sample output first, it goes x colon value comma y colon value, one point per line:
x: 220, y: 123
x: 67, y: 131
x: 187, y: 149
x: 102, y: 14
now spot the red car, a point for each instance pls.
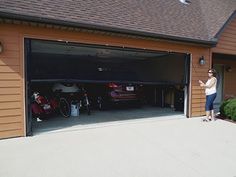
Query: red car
x: 121, y: 92
x: 116, y: 93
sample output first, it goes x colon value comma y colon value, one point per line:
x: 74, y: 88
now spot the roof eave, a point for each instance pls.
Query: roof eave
x: 230, y: 19
x: 13, y: 16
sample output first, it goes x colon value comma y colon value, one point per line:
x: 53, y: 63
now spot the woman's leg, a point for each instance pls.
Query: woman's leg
x: 211, y: 112
x: 208, y: 115
x: 212, y: 108
x: 207, y: 107
x: 212, y: 115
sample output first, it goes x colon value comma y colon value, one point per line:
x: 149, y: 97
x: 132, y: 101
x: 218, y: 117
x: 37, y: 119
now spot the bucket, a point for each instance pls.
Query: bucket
x: 74, y: 109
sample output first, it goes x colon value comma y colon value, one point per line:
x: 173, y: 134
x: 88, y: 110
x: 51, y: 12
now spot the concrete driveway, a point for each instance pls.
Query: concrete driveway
x: 134, y: 148
x: 98, y: 118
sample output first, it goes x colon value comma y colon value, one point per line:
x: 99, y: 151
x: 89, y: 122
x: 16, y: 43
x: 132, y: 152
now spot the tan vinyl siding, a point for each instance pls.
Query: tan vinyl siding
x: 229, y: 77
x: 11, y: 90
x: 227, y: 45
x: 198, y: 93
x: 227, y: 40
x: 11, y: 132
x: 10, y: 119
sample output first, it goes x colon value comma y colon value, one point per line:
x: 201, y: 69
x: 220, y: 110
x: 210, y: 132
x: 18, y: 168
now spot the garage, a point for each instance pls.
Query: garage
x: 130, y: 45
x: 113, y: 80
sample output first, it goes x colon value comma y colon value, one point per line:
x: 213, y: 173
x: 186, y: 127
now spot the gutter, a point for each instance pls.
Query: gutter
x: 13, y: 16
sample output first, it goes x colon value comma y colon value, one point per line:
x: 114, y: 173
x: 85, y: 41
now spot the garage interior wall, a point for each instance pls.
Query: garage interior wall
x: 12, y: 89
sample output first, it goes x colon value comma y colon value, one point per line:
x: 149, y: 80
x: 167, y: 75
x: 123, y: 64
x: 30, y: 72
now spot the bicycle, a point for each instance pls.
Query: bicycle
x: 66, y: 99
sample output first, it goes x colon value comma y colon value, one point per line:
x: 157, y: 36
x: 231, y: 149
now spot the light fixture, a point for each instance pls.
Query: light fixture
x: 1, y: 47
x: 202, y: 60
x: 228, y: 69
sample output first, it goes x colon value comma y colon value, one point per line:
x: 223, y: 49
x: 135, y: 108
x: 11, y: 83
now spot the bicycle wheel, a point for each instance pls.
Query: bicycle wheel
x: 64, y: 107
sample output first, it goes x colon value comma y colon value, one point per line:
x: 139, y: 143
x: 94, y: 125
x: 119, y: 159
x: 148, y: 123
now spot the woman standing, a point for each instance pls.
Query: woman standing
x: 210, y: 90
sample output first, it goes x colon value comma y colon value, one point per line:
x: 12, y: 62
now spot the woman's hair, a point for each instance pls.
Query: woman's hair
x: 213, y: 72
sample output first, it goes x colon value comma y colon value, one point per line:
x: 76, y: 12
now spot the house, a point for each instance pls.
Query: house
x: 35, y: 35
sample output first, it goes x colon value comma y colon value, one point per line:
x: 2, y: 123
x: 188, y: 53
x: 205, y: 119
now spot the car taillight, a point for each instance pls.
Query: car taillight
x: 112, y: 85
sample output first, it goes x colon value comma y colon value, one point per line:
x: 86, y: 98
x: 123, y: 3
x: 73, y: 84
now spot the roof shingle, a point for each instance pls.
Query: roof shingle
x: 200, y: 20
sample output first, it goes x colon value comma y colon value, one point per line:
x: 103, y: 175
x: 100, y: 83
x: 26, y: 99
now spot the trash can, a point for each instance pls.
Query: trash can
x: 74, y: 109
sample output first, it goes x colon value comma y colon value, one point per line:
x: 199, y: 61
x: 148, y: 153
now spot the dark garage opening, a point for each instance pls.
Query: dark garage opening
x: 158, y: 78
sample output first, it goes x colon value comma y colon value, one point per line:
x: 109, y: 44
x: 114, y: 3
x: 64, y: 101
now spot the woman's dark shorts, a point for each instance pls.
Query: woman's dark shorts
x: 209, y: 101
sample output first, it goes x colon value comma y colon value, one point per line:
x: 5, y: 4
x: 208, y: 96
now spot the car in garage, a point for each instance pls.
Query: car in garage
x: 106, y: 95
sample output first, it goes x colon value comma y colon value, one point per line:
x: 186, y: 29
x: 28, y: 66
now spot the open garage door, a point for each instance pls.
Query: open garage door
x: 57, y: 61
x: 159, y: 73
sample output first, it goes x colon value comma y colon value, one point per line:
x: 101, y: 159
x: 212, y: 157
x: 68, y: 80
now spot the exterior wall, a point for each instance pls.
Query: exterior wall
x: 227, y: 40
x: 229, y: 77
x: 11, y: 85
x: 12, y: 91
x: 227, y: 45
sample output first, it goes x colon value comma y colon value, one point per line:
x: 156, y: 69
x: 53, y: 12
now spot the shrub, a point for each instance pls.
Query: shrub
x: 234, y: 114
x: 222, y: 107
x: 233, y: 109
x: 228, y: 109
